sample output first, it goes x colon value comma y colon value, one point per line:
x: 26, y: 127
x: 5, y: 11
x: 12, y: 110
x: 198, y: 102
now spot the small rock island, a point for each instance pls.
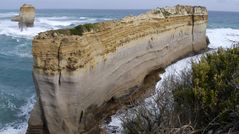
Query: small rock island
x: 85, y: 74
x: 26, y: 16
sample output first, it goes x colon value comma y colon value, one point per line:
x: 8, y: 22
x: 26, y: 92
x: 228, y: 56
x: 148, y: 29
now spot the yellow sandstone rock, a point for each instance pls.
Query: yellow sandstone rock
x: 26, y: 16
x: 85, y: 74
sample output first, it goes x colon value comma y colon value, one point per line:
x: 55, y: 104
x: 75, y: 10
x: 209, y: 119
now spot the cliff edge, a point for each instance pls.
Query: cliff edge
x: 84, y: 74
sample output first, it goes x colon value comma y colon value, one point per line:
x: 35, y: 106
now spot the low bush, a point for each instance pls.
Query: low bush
x: 80, y: 29
x: 203, y: 99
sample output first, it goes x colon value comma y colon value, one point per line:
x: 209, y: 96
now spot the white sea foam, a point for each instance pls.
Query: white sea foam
x: 8, y: 14
x: 20, y: 128
x: 58, y: 18
x: 27, y: 108
x: 21, y: 50
x: 9, y: 28
x: 55, y: 22
x: 223, y: 37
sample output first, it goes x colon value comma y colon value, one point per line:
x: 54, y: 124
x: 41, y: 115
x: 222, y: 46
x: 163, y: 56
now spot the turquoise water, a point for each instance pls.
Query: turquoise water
x: 17, y: 93
x: 223, y: 20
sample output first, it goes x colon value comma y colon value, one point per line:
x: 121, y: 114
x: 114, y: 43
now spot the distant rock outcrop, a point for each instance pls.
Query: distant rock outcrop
x: 84, y: 74
x: 26, y: 16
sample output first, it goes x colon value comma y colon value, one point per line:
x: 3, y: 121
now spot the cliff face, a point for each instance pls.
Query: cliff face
x: 85, y: 74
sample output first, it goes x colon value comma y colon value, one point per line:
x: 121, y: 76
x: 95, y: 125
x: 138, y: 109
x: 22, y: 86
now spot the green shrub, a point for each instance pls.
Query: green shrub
x: 80, y: 29
x: 204, y: 99
x: 214, y: 93
x: 163, y: 11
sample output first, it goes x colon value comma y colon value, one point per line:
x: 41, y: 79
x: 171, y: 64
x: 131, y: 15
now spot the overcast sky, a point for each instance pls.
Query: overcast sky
x: 219, y: 5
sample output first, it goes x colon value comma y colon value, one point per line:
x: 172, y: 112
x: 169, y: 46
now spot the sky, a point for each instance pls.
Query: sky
x: 217, y: 5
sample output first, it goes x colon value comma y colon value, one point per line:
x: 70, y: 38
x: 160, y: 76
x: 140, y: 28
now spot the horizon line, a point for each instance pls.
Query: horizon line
x: 104, y: 9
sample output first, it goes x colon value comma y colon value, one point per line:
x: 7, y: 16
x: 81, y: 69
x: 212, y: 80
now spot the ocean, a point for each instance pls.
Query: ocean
x: 17, y: 93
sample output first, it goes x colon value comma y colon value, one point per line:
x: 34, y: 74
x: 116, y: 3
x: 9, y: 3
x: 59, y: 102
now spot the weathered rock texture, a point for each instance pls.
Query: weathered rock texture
x: 26, y: 16
x: 83, y: 76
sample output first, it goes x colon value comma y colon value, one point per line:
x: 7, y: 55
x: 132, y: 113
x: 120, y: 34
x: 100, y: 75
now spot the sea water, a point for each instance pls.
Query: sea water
x: 17, y: 93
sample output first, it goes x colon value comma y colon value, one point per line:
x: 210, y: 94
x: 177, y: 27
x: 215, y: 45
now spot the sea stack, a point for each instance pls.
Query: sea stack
x: 85, y: 74
x: 26, y: 16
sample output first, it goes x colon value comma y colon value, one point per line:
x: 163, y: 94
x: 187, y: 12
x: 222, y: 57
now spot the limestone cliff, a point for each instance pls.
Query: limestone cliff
x: 26, y: 16
x: 87, y: 73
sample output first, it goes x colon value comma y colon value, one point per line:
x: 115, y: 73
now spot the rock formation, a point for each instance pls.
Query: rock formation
x: 26, y: 16
x: 84, y: 74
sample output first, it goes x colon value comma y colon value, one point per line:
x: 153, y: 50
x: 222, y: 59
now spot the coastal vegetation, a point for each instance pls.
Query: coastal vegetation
x: 80, y: 29
x: 163, y: 11
x: 202, y: 99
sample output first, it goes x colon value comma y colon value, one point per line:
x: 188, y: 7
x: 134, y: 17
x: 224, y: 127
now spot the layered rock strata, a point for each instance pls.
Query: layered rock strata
x: 26, y: 16
x: 84, y: 74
